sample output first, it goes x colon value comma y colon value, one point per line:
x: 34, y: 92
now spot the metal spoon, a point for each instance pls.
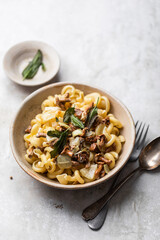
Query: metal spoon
x: 149, y: 159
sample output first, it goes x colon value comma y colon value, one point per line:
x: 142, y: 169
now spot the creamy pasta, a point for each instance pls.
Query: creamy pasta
x: 75, y: 139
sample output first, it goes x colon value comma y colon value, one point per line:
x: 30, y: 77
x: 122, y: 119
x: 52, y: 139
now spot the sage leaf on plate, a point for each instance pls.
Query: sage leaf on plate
x: 32, y: 68
x: 43, y: 67
x: 68, y: 113
x: 54, y: 133
x: 59, y: 145
x: 76, y: 122
x: 92, y: 115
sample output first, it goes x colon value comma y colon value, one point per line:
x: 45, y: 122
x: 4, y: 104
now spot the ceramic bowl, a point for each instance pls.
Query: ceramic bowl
x: 18, y: 57
x: 31, y: 106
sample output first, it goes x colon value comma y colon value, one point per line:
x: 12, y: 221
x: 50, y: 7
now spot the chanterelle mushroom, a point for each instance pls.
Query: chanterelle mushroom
x: 41, y: 135
x: 99, y: 157
x: 28, y: 130
x: 61, y: 101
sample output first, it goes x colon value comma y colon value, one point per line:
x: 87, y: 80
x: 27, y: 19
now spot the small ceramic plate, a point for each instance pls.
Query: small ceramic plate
x: 18, y: 57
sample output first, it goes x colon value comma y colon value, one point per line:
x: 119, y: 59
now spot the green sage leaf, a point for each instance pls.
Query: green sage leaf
x: 92, y: 115
x: 43, y: 67
x: 54, y: 133
x: 67, y: 115
x: 76, y: 122
x: 59, y: 145
x: 30, y: 71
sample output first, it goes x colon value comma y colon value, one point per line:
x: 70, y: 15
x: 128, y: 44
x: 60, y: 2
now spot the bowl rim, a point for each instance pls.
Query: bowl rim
x: 54, y: 184
x: 33, y: 84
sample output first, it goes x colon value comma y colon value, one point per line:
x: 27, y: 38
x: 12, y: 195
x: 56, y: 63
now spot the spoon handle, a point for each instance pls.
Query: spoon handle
x: 97, y: 222
x: 91, y: 211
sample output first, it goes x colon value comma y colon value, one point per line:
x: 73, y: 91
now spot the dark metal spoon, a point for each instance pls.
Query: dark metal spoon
x: 149, y: 159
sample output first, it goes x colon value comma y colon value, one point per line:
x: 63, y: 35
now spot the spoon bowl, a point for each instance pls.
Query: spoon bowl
x: 149, y: 158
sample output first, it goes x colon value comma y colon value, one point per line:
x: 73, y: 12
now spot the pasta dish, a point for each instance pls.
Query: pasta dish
x: 75, y: 139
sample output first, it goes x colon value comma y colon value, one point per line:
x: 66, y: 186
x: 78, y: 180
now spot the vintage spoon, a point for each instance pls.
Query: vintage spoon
x: 149, y: 159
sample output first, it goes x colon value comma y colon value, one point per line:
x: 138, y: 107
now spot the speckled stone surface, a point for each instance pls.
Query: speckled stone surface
x: 113, y: 44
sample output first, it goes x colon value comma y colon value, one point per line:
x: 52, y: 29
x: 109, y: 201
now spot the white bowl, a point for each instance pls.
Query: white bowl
x: 31, y: 106
x: 18, y: 57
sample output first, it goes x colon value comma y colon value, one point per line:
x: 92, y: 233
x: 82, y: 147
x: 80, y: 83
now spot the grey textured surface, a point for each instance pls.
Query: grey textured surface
x: 113, y: 44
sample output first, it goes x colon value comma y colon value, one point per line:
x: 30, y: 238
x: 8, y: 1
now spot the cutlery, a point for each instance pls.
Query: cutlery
x: 149, y: 159
x: 141, y: 133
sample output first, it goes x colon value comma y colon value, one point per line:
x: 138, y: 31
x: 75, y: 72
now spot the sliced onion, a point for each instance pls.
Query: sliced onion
x: 89, y: 173
x: 90, y: 133
x: 63, y: 125
x: 64, y: 161
x: 74, y: 142
x: 83, y: 150
x: 50, y: 139
x: 77, y: 132
x: 106, y: 168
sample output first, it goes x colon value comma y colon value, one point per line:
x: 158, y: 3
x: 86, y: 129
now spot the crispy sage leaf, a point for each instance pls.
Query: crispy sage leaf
x: 59, y: 145
x: 43, y: 67
x: 68, y: 113
x: 54, y: 133
x: 90, y: 123
x: 76, y: 122
x: 30, y: 71
x: 92, y: 115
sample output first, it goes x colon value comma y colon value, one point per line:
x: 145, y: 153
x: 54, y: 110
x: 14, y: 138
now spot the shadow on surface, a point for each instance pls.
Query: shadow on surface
x: 27, y: 89
x: 74, y: 201
x: 23, y: 91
